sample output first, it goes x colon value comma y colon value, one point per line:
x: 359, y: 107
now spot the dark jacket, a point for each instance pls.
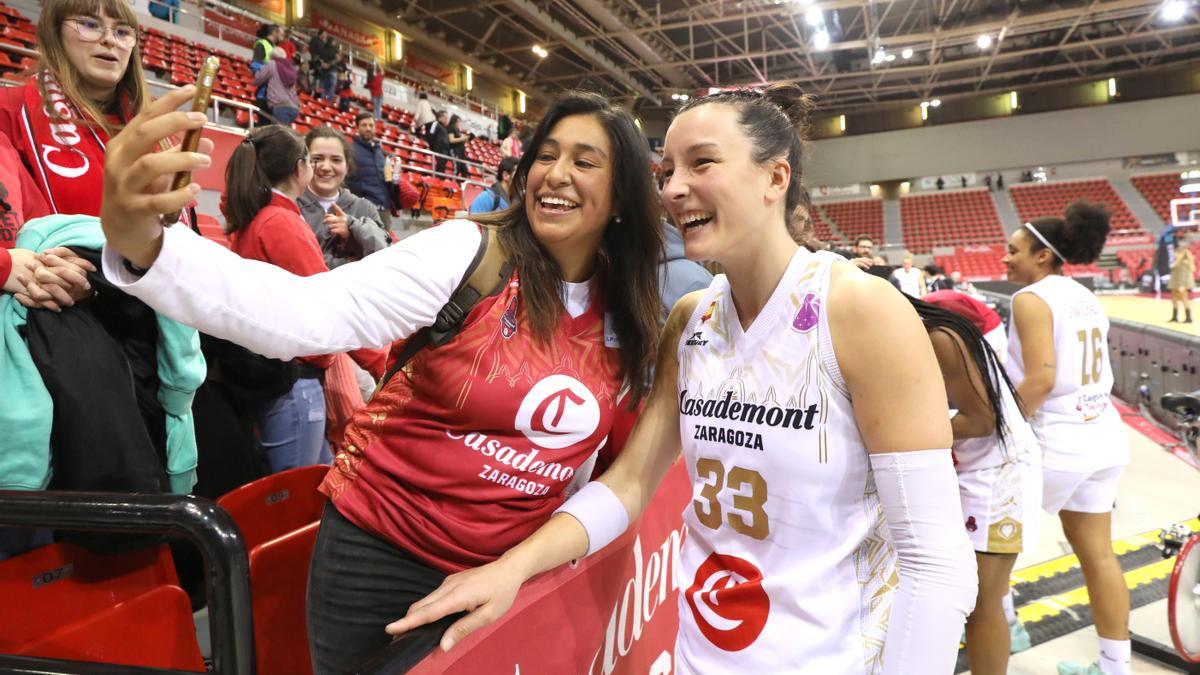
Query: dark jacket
x: 324, y: 54
x: 367, y: 179
x: 438, y: 138
x: 367, y: 234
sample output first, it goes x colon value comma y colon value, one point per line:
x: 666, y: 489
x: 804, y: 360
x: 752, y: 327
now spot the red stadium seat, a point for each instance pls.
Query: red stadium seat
x: 277, y: 504
x: 278, y: 584
x: 85, y: 606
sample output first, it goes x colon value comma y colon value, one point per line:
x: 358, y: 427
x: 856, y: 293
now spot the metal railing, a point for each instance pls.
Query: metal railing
x: 198, y: 520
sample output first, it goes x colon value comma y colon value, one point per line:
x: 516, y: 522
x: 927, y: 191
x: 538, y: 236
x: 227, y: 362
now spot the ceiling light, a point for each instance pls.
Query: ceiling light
x: 935, y: 102
x: 1112, y: 87
x: 1012, y: 100
x: 907, y: 53
x: 814, y: 17
x: 880, y: 55
x: 1174, y: 10
x: 984, y: 41
x: 821, y: 40
x: 842, y: 122
x: 889, y: 58
x: 540, y: 51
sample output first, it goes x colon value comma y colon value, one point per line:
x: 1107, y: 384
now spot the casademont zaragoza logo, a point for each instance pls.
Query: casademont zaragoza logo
x: 558, y: 412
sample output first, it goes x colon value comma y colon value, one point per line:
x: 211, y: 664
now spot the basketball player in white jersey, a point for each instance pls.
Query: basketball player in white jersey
x: 811, y: 472
x: 1058, y: 358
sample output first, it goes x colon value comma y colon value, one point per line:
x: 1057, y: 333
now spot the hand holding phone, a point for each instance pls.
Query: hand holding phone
x: 191, y: 140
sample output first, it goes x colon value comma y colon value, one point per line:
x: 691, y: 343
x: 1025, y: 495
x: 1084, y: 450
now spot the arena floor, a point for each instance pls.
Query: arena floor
x: 1149, y: 310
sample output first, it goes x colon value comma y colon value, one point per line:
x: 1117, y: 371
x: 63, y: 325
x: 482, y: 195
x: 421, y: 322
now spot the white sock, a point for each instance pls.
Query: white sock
x: 1009, y: 613
x: 1115, y: 657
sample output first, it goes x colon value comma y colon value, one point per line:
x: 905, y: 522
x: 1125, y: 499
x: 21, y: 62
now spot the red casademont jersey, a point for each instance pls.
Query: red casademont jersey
x: 469, y: 453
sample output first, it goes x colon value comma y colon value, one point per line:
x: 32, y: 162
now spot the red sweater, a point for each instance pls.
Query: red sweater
x: 375, y: 84
x: 279, y: 235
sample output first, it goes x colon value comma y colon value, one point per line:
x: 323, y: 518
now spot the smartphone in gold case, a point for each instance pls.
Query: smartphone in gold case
x: 191, y: 140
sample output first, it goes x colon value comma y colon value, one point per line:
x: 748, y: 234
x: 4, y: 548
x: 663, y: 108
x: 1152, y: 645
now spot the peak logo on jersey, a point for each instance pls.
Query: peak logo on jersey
x: 709, y: 313
x: 728, y: 602
x: 558, y: 412
x: 508, y: 321
x: 808, y: 315
x: 697, y: 339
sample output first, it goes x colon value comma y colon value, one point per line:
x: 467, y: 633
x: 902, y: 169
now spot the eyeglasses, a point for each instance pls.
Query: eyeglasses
x: 91, y: 30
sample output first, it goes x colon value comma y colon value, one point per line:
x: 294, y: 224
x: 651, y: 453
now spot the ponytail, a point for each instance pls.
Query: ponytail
x: 265, y: 159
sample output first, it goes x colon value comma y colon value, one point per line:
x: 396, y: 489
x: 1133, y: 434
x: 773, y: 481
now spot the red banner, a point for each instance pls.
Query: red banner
x: 371, y: 43
x: 621, y: 607
x: 431, y: 69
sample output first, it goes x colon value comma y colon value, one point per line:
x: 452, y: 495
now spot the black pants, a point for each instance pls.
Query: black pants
x: 357, y: 585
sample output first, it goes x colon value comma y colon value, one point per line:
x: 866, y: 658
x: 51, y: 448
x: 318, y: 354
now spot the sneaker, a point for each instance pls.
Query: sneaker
x: 1073, y: 668
x: 1018, y: 637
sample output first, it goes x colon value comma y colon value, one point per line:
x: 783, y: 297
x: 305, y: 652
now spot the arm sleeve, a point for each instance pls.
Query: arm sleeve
x: 269, y: 310
x: 369, y: 234
x: 938, y: 577
x: 482, y: 203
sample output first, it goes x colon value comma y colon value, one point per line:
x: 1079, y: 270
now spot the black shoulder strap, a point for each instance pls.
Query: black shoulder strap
x: 485, y: 277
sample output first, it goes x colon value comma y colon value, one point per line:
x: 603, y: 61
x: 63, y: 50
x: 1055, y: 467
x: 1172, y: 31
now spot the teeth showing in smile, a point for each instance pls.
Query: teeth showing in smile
x: 558, y: 203
x: 695, y: 219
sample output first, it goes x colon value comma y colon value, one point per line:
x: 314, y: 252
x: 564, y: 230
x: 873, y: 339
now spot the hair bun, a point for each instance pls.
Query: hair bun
x: 791, y: 99
x: 1085, y: 229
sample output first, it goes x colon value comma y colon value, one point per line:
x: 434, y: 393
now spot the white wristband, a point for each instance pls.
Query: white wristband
x: 601, y: 513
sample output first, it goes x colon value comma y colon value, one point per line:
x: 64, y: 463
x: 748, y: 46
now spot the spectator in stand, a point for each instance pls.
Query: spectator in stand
x: 399, y: 467
x: 375, y: 86
x: 458, y: 145
x: 999, y: 181
x: 324, y: 64
x: 424, y: 115
x: 279, y: 77
x: 910, y: 280
x: 304, y: 78
x: 288, y: 44
x: 937, y: 281
x: 511, y: 145
x: 266, y: 174
x: 496, y: 197
x: 1183, y: 275
x: 367, y: 177
x: 964, y: 181
x: 438, y: 137
x: 90, y: 68
x: 268, y: 35
x: 347, y: 226
x: 941, y: 183
x: 345, y: 84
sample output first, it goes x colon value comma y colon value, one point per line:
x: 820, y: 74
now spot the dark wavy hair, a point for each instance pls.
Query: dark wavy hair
x: 1079, y: 235
x: 776, y: 121
x: 630, y: 251
x: 263, y: 160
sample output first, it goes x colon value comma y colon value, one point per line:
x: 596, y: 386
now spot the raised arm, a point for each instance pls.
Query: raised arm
x: 267, y: 309
x: 899, y: 401
x: 488, y: 592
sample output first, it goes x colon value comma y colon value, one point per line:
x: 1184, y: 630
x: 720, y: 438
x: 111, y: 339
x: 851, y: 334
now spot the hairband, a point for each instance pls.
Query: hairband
x: 1047, y: 244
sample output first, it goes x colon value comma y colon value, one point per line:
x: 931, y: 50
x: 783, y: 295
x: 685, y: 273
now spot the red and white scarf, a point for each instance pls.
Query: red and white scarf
x: 65, y: 155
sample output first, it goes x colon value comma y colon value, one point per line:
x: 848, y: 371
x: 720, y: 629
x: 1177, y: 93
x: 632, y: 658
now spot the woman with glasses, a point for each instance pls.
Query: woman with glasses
x: 87, y: 84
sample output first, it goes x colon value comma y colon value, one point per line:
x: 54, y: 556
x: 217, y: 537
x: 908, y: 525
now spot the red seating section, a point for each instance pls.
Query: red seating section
x: 15, y: 31
x: 977, y: 263
x: 823, y: 229
x: 856, y: 218
x: 949, y: 219
x: 1051, y: 199
x: 82, y: 606
x: 279, y: 516
x: 1159, y: 190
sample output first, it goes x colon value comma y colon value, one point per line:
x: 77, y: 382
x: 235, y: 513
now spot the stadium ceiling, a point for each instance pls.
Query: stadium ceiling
x: 651, y: 50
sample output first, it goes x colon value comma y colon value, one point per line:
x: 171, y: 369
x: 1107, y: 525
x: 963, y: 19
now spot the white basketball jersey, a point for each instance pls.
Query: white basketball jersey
x: 786, y: 567
x: 1078, y: 426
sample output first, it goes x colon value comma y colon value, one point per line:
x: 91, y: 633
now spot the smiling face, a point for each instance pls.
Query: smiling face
x: 568, y: 193
x: 328, y: 157
x: 1022, y: 265
x: 713, y: 190
x: 99, y: 56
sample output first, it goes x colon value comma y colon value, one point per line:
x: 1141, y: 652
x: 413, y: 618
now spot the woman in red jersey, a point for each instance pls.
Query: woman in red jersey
x: 470, y: 449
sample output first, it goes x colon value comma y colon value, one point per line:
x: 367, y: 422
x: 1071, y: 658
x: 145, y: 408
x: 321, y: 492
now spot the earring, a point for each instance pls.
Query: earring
x: 617, y: 219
